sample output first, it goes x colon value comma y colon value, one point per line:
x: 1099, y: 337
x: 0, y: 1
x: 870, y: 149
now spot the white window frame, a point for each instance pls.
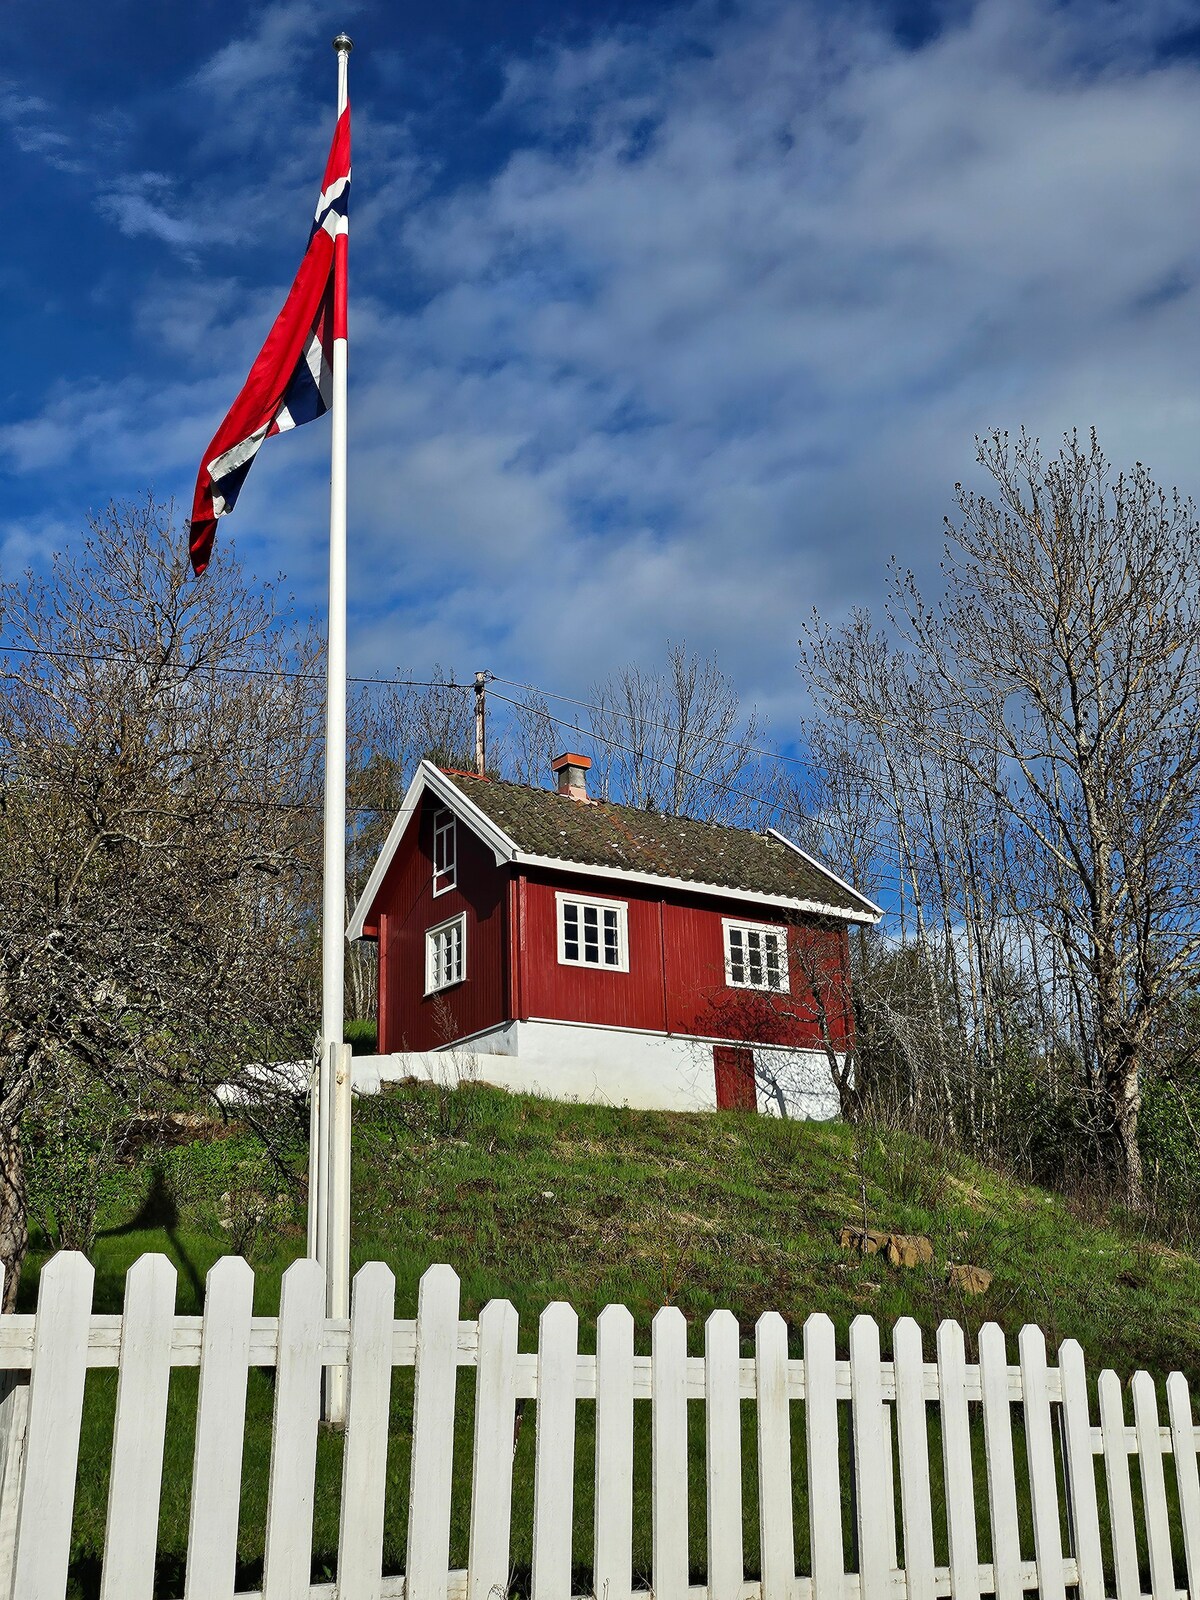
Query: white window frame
x: 564, y: 898
x: 445, y: 826
x: 732, y: 924
x: 432, y: 935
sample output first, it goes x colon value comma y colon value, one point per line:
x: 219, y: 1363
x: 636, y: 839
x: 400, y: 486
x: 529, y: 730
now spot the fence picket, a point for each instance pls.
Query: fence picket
x: 1001, y: 1470
x: 956, y: 1462
x: 287, y: 1554
x: 554, y: 1458
x: 723, y: 1456
x: 1081, y: 1471
x: 669, y: 1462
x: 57, y: 1346
x: 889, y: 1494
x: 135, y: 1474
x: 52, y: 1439
x: 872, y: 1480
x: 1043, y: 1475
x: 364, y: 1459
x: 612, y: 1565
x: 220, y: 1428
x: 1120, y: 1495
x: 1154, y: 1488
x: 777, y: 1543
x: 912, y: 1430
x: 432, y: 1436
x: 1187, y: 1478
x: 492, y: 1468
x: 821, y: 1442
x: 14, y: 1414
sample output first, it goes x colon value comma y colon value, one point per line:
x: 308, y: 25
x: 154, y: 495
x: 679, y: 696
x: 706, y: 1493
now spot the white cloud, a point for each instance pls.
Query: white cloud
x: 765, y: 325
x: 142, y: 204
x: 712, y: 343
x: 265, y: 56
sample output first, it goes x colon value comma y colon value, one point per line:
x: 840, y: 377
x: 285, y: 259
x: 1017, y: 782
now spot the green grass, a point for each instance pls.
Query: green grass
x: 535, y: 1201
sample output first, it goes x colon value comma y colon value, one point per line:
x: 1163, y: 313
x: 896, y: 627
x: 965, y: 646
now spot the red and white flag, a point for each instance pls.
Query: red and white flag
x: 291, y: 379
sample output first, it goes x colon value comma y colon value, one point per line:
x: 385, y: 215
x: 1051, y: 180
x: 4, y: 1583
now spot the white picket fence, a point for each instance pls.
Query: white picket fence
x: 913, y: 1433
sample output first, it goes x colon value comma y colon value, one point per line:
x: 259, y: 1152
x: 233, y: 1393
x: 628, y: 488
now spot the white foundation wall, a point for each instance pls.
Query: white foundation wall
x: 608, y: 1066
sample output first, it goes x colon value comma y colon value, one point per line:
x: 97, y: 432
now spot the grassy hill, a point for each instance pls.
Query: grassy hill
x: 535, y: 1201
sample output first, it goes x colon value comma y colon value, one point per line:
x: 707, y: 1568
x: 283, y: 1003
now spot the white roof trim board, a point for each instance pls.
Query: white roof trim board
x: 694, y: 886
x: 828, y: 871
x: 427, y: 776
x: 504, y: 849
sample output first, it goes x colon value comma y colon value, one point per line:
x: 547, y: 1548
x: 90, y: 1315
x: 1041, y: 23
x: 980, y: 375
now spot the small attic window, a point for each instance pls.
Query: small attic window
x: 445, y: 851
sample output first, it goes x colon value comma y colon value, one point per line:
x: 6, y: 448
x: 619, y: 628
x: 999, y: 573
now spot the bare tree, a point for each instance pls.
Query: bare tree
x: 530, y: 741
x: 1050, y: 700
x: 678, y: 741
x: 159, y: 823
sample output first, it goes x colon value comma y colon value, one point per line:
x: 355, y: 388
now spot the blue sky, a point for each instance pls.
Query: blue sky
x: 666, y: 320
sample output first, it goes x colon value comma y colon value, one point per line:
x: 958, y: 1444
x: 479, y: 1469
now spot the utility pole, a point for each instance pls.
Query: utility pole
x: 481, y: 723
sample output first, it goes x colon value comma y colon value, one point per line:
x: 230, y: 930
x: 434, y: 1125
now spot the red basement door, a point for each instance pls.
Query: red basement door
x: 734, y: 1068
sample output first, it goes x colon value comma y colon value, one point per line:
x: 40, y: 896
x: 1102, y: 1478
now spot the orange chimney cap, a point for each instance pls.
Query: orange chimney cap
x: 570, y: 759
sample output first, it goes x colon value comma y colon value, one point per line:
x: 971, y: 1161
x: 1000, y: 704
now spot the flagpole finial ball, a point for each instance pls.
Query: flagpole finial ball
x: 343, y: 43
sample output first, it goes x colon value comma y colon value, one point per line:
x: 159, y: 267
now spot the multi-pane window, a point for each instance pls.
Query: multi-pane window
x: 593, y: 933
x: 446, y: 954
x: 755, y: 957
x: 445, y: 852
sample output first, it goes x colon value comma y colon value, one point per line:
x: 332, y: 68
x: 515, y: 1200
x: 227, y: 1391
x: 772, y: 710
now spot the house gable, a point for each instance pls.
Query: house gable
x: 439, y: 916
x: 428, y: 779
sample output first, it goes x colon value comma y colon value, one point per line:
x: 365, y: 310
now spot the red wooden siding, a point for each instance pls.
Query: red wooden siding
x: 676, y: 978
x: 700, y: 1001
x: 632, y: 999
x: 406, y: 907
x: 676, y: 944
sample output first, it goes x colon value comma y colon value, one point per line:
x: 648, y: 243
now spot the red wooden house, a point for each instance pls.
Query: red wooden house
x: 599, y: 951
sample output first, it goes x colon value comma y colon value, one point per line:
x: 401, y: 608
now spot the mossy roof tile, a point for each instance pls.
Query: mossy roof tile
x: 602, y: 834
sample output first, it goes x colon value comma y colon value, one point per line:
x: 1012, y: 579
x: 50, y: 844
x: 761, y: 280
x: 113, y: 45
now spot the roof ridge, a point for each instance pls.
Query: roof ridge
x: 612, y: 805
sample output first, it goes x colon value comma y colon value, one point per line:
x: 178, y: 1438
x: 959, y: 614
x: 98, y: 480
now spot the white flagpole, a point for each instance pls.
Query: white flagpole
x: 333, y: 1215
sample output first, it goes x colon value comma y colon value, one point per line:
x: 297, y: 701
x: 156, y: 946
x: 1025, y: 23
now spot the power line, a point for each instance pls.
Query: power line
x: 650, y: 722
x: 714, y: 783
x: 129, y: 658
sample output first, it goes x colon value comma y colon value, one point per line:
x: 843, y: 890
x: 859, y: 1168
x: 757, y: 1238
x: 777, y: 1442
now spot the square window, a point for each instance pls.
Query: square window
x: 446, y: 954
x: 593, y: 933
x: 756, y: 957
x: 445, y: 851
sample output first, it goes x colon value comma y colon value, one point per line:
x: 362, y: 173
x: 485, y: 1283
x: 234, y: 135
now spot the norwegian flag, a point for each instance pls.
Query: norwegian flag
x: 291, y: 380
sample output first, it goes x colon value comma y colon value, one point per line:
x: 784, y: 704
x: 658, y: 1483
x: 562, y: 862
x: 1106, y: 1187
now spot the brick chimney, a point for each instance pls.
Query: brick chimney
x: 571, y: 770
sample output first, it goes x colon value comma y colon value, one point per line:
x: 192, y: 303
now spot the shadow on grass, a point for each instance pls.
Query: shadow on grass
x: 159, y: 1209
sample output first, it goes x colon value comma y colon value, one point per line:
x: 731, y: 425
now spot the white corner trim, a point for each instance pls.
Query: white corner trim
x: 829, y: 873
x: 426, y: 777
